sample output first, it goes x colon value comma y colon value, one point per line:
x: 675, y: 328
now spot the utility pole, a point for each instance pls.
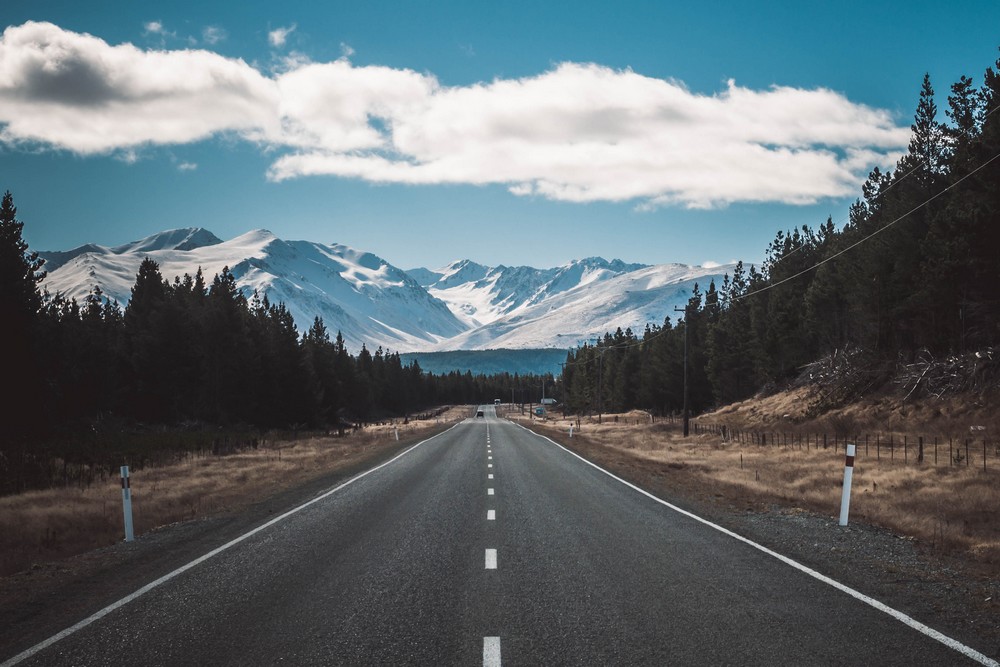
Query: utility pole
x: 600, y: 387
x: 686, y: 329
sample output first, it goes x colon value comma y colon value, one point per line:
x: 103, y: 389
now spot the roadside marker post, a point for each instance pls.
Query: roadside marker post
x: 127, y: 504
x: 571, y: 430
x: 845, y: 498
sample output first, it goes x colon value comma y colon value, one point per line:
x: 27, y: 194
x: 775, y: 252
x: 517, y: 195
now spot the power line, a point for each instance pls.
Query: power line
x: 881, y: 193
x: 663, y: 330
x: 870, y: 236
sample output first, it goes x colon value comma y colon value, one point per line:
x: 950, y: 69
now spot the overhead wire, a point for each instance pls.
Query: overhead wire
x: 663, y: 330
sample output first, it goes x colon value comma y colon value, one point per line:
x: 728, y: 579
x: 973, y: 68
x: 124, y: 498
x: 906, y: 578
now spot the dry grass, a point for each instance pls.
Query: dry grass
x: 44, y: 525
x: 950, y: 509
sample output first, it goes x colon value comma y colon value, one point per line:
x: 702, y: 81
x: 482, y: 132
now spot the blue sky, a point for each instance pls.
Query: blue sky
x: 507, y: 133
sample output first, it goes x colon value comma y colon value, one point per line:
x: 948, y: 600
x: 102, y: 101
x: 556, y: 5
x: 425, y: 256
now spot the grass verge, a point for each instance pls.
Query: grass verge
x: 40, y: 526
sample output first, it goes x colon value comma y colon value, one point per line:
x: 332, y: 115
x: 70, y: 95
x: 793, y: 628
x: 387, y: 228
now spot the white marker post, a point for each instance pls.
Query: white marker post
x: 845, y: 498
x: 571, y: 430
x: 397, y: 433
x: 127, y: 504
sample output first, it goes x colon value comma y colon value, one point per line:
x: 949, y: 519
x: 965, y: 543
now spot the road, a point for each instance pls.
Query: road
x: 488, y: 544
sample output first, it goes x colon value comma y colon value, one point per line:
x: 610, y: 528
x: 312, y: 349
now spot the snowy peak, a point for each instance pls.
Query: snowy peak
x: 188, y: 238
x: 479, y: 294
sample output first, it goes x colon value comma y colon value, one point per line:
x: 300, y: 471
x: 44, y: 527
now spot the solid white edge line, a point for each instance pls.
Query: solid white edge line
x: 27, y: 653
x: 491, y: 652
x: 491, y: 559
x: 953, y: 644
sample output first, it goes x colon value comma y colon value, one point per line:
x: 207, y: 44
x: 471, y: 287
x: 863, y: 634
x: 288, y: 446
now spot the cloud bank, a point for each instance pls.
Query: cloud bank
x: 579, y: 132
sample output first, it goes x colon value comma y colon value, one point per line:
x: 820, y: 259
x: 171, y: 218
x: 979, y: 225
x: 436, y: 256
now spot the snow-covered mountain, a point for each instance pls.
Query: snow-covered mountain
x: 523, y: 307
x: 462, y: 306
x: 367, y: 299
x: 481, y: 295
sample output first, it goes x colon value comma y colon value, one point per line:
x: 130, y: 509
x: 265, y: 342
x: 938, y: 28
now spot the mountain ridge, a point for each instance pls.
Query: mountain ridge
x: 463, y: 305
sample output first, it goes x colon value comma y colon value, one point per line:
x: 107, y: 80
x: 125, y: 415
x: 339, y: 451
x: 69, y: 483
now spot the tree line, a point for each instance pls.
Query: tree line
x: 193, y: 351
x: 913, y: 268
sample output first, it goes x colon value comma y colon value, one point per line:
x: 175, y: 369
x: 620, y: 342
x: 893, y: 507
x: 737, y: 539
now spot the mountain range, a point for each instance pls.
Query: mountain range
x: 461, y: 306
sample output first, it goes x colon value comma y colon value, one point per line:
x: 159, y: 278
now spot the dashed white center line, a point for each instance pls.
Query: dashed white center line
x: 489, y: 492
x: 491, y: 652
x: 489, y: 458
x: 491, y: 475
x: 491, y: 559
x: 489, y: 465
x: 491, y: 515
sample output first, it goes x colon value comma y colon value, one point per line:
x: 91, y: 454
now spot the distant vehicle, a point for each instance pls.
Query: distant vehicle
x: 496, y: 401
x: 479, y: 413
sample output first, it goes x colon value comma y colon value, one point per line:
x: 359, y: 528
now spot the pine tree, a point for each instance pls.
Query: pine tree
x: 20, y: 269
x: 20, y: 303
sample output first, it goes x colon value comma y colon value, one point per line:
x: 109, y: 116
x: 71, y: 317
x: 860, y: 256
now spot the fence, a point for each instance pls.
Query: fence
x: 937, y: 450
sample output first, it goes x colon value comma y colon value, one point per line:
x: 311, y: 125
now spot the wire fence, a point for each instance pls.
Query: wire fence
x: 972, y: 451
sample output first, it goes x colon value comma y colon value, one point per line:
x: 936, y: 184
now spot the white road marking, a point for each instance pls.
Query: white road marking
x: 490, y: 458
x: 491, y: 652
x: 489, y: 465
x: 491, y: 559
x: 491, y: 515
x: 490, y: 475
x: 926, y: 630
x: 24, y: 655
x: 489, y: 492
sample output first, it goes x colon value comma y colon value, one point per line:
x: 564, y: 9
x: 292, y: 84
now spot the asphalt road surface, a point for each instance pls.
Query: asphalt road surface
x: 490, y: 545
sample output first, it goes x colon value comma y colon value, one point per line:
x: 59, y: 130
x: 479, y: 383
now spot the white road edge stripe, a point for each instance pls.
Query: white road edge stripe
x: 491, y: 559
x: 24, y: 655
x: 954, y: 644
x: 491, y: 515
x: 491, y: 652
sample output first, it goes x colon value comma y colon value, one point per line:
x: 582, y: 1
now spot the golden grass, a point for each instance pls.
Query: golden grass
x: 951, y: 509
x: 54, y: 523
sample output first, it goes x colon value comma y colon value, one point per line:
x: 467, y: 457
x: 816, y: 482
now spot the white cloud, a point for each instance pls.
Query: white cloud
x: 213, y: 34
x: 579, y: 132
x: 187, y: 166
x: 346, y: 50
x: 75, y: 92
x: 279, y: 36
x: 154, y: 28
x: 583, y: 133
